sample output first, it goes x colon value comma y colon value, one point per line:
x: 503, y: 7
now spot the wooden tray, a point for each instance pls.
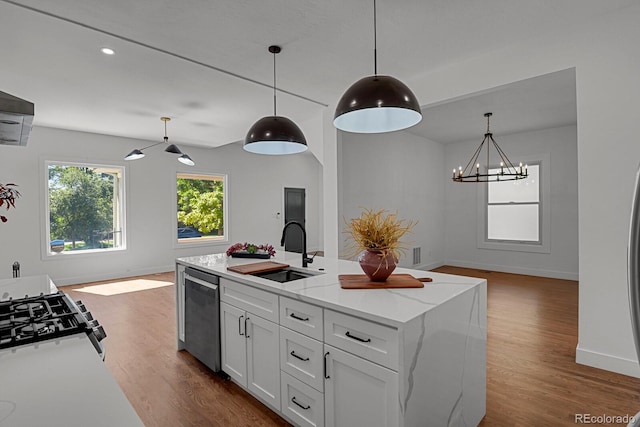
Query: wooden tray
x: 361, y: 281
x: 257, y: 267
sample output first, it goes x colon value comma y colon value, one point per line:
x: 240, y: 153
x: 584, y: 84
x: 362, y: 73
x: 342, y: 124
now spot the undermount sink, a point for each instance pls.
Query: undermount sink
x: 286, y: 275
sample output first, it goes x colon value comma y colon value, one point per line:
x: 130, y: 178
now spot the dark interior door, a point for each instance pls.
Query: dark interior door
x: 294, y: 211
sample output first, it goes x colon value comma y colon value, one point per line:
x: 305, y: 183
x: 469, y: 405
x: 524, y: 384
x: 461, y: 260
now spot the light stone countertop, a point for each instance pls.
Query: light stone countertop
x: 394, y: 307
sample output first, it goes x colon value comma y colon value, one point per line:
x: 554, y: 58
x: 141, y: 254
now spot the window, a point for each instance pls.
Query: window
x: 201, y: 201
x: 513, y: 208
x: 516, y: 215
x: 85, y: 208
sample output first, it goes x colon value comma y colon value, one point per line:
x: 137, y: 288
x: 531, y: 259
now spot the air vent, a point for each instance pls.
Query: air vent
x: 416, y: 256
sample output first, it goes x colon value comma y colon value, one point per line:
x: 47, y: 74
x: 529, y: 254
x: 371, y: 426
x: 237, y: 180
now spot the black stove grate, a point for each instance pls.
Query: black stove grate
x: 33, y: 319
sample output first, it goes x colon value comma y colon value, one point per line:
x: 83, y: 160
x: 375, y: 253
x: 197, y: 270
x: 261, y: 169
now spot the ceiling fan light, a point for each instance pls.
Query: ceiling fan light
x: 134, y: 155
x: 275, y: 135
x: 186, y: 160
x: 377, y: 104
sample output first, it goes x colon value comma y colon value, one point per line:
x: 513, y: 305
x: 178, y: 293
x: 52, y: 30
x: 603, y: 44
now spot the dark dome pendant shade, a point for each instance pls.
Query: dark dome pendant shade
x: 275, y: 135
x: 377, y: 103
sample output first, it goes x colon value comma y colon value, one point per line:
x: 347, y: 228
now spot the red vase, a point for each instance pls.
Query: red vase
x: 377, y: 265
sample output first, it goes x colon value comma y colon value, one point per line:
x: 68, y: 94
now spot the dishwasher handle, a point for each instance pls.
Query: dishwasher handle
x: 200, y: 282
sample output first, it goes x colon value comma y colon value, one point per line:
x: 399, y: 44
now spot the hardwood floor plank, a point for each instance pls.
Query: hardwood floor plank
x: 532, y: 377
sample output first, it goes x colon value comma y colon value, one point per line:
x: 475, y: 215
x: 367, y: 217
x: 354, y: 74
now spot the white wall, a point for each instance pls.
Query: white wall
x: 461, y: 204
x: 605, y: 55
x: 398, y: 172
x: 255, y: 195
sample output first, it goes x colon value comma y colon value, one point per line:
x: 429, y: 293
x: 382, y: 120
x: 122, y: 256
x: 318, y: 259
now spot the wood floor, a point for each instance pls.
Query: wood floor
x: 532, y: 379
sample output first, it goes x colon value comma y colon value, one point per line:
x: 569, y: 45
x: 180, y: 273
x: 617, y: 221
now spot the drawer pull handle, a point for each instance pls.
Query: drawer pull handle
x: 326, y: 371
x: 246, y: 331
x: 293, y: 399
x: 304, y: 359
x: 239, y: 326
x: 353, y: 337
x: 302, y: 319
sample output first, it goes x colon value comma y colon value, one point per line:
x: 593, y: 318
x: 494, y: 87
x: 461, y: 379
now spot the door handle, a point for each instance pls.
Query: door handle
x: 246, y: 331
x: 353, y: 337
x: 240, y: 327
x: 326, y: 372
x: 304, y: 359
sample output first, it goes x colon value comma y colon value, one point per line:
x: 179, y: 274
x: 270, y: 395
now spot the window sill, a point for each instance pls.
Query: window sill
x: 515, y: 246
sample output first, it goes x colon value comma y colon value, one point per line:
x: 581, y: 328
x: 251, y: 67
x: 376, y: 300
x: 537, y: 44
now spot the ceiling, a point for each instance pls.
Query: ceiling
x: 538, y: 103
x: 190, y: 59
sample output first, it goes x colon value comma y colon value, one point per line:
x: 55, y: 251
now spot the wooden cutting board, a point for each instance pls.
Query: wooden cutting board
x: 257, y: 267
x: 361, y: 281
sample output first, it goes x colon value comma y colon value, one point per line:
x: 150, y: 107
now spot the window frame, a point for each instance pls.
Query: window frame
x: 46, y: 253
x: 544, y: 213
x: 205, y: 240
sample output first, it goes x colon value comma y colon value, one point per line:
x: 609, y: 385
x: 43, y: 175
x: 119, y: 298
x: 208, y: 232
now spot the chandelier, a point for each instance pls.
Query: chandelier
x: 506, y: 172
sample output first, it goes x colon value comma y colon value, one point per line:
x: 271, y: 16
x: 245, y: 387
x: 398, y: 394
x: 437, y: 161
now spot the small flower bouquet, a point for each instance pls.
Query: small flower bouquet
x: 249, y: 250
x: 8, y: 196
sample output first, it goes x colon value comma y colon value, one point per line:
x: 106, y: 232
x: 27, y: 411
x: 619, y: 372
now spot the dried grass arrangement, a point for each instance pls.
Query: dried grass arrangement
x: 377, y: 230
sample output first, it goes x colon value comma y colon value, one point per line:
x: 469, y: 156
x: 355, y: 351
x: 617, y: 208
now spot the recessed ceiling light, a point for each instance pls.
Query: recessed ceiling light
x: 107, y: 51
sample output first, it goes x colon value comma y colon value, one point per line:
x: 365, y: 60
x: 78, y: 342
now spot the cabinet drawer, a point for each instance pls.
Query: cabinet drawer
x: 301, y: 357
x: 302, y: 404
x: 301, y: 317
x: 255, y: 301
x: 363, y: 338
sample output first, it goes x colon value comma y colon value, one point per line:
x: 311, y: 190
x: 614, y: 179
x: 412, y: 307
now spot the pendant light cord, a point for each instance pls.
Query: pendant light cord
x: 274, y: 83
x: 375, y: 41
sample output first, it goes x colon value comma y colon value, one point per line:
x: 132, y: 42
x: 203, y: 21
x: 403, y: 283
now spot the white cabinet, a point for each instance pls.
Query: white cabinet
x: 251, y: 344
x: 358, y: 392
x: 302, y: 404
x: 233, y: 342
x: 263, y: 361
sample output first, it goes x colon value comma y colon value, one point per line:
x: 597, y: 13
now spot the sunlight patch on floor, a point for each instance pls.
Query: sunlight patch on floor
x: 124, y: 287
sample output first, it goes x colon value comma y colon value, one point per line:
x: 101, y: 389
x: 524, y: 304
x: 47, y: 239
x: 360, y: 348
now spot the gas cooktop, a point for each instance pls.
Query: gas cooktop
x: 33, y: 319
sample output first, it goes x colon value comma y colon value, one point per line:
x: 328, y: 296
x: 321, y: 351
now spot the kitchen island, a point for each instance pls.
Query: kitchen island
x: 321, y: 355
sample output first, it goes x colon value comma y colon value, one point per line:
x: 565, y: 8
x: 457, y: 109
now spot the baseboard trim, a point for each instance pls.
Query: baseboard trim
x: 98, y: 277
x: 427, y: 267
x: 515, y: 270
x: 607, y: 362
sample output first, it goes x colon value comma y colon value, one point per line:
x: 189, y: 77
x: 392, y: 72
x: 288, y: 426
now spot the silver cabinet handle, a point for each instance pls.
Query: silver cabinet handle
x: 246, y: 330
x: 240, y: 327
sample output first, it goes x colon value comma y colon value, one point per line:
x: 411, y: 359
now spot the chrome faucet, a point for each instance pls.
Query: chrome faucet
x: 305, y: 259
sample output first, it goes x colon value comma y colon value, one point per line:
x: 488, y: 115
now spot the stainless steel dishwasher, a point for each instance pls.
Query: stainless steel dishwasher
x: 202, y: 317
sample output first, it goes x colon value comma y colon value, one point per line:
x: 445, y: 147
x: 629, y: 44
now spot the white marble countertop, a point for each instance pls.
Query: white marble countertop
x: 29, y: 286
x: 58, y: 382
x: 389, y: 306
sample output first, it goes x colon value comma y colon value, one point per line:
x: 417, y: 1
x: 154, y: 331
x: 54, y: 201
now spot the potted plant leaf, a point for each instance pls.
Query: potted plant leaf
x: 375, y: 239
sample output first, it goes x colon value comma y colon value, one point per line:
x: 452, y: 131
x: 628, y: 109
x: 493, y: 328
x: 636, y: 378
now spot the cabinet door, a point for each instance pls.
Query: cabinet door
x: 234, y: 347
x: 263, y: 359
x: 358, y: 392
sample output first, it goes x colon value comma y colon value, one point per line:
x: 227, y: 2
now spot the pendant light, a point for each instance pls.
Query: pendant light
x: 275, y: 134
x: 377, y: 104
x: 507, y: 172
x: 172, y: 148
